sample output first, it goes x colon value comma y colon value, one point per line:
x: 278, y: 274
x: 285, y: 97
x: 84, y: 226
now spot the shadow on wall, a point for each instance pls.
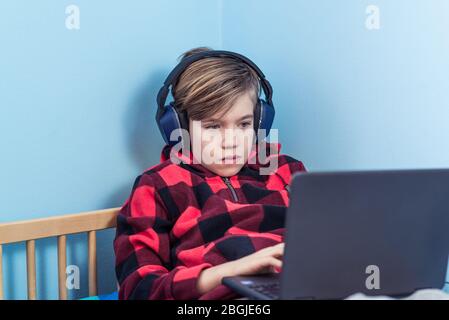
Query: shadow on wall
x: 143, y: 138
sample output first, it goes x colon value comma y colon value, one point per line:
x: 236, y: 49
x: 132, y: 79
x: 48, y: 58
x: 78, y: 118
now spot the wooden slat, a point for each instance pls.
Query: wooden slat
x: 1, y: 272
x: 31, y: 269
x: 57, y: 225
x: 92, y: 243
x: 62, y: 265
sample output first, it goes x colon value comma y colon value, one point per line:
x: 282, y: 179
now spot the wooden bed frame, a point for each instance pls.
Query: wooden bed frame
x: 60, y: 227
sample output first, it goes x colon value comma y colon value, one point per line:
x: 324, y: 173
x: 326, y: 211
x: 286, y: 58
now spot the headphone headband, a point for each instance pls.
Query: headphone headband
x: 185, y: 62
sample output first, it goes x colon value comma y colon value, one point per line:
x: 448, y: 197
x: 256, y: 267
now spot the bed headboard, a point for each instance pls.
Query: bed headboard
x: 60, y: 227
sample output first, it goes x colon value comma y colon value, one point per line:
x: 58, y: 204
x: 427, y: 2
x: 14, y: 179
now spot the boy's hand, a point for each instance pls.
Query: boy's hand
x: 263, y: 261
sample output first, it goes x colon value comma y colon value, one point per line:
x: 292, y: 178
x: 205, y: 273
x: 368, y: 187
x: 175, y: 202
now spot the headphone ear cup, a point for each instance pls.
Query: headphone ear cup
x: 265, y: 116
x: 168, y: 121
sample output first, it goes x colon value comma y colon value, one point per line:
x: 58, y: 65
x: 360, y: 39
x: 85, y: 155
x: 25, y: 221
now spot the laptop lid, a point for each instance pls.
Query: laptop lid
x: 375, y: 232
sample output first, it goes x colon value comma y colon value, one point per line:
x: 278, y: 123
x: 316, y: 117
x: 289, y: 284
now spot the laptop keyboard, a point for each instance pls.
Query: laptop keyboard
x: 270, y: 290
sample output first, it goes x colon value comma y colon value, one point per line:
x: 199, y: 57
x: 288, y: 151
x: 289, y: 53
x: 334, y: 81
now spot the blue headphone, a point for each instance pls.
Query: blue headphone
x: 168, y: 118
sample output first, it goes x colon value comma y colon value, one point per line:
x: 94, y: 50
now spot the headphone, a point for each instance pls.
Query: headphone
x: 168, y: 118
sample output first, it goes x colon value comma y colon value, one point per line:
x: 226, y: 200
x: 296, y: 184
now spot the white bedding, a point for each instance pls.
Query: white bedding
x: 424, y: 294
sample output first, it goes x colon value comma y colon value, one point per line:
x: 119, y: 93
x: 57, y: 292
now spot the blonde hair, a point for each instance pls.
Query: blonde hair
x: 211, y: 85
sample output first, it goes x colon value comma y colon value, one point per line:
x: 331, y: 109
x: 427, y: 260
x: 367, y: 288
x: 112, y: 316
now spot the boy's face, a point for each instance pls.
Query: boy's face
x: 223, y: 142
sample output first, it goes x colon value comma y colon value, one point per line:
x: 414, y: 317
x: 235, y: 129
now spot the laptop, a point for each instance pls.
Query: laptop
x: 371, y: 232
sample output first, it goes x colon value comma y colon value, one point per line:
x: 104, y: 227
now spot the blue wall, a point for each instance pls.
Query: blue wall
x: 348, y: 97
x: 77, y: 106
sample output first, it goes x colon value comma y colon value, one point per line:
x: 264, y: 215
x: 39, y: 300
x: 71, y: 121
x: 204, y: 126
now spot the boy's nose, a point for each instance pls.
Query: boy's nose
x: 229, y: 142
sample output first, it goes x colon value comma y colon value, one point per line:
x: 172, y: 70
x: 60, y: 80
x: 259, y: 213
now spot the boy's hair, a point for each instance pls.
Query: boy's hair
x: 211, y: 85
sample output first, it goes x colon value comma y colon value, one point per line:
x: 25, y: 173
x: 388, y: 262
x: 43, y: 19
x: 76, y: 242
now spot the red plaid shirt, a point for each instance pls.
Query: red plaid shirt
x: 183, y: 218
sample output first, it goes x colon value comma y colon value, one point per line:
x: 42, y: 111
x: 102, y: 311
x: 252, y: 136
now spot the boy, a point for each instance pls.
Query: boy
x: 191, y: 220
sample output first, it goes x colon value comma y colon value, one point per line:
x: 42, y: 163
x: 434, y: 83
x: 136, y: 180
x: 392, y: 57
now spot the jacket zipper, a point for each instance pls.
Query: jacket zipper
x: 228, y: 183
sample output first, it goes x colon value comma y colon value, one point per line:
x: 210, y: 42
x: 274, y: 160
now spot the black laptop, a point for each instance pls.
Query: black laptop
x: 373, y: 232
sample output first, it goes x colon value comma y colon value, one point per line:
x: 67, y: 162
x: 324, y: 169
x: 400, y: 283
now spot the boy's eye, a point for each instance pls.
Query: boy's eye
x: 245, y: 124
x: 212, y: 126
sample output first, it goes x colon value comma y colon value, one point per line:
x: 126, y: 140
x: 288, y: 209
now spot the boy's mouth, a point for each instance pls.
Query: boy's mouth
x: 231, y: 158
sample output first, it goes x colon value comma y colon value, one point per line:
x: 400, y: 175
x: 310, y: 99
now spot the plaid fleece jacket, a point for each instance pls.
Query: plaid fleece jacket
x: 183, y: 218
